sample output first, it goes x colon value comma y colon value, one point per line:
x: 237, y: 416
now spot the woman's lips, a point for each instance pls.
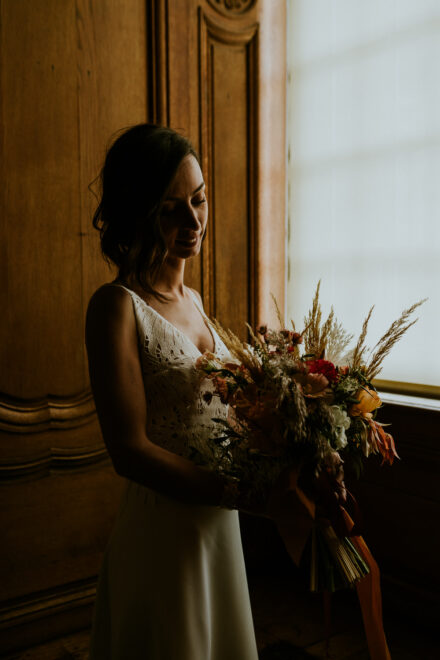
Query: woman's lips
x: 188, y: 242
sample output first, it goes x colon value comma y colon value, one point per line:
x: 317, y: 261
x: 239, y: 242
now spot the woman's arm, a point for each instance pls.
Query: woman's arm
x: 118, y: 390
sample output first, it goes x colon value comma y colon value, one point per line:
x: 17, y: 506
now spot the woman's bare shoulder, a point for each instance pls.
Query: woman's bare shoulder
x: 109, y: 297
x: 108, y: 307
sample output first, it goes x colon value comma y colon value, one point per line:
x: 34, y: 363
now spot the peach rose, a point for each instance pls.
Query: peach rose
x: 312, y: 385
x: 368, y: 401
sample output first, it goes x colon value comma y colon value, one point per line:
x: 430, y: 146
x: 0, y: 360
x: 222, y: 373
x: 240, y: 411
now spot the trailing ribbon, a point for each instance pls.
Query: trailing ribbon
x: 370, y: 600
x: 295, y: 517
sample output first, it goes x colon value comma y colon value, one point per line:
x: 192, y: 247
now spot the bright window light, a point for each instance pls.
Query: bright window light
x: 364, y: 170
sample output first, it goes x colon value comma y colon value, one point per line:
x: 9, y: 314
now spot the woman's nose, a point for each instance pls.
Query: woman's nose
x: 191, y: 217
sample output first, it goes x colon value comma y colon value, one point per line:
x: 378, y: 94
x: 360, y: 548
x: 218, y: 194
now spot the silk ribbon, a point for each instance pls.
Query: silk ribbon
x: 295, y: 515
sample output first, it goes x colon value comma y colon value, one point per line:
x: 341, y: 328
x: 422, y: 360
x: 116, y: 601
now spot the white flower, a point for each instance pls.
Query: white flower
x: 341, y: 423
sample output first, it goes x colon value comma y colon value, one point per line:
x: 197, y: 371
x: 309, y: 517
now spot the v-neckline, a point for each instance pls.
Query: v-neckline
x: 175, y: 328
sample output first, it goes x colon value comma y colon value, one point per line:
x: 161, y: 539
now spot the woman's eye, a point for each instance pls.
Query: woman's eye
x: 168, y: 209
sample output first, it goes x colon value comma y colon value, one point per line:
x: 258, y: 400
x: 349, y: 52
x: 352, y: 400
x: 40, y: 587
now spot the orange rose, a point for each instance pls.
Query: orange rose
x: 368, y: 401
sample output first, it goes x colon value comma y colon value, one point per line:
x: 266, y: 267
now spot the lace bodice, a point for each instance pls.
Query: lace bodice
x: 179, y: 418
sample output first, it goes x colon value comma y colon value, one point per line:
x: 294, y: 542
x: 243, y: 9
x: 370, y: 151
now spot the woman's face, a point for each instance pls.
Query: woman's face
x: 185, y: 211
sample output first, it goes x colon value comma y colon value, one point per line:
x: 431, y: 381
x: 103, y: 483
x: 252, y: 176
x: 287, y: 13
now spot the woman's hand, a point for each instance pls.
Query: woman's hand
x: 274, y: 502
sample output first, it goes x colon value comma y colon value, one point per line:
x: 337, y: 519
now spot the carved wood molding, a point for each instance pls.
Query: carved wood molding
x: 227, y: 7
x: 53, y: 459
x: 49, y: 413
x: 210, y: 33
x: 39, y: 605
x: 227, y: 33
x: 158, y: 71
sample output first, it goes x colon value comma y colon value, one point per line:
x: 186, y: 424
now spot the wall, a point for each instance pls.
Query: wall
x: 73, y: 73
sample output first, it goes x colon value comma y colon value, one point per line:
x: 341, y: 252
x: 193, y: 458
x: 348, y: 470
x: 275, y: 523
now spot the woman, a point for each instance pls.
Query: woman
x: 173, y: 582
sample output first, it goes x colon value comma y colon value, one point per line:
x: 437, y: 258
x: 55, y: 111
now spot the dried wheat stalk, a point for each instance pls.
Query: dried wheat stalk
x: 396, y: 330
x: 317, y: 336
x: 360, y: 348
x: 337, y: 341
x: 280, y: 317
x: 313, y: 322
x: 239, y: 350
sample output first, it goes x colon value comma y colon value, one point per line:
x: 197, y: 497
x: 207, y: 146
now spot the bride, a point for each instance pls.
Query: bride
x: 172, y: 585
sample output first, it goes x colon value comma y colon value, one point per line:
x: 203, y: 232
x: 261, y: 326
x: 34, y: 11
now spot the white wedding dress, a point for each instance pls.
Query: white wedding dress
x: 173, y: 584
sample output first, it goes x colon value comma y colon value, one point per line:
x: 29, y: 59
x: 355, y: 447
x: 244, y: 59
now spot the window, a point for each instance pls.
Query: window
x: 364, y: 172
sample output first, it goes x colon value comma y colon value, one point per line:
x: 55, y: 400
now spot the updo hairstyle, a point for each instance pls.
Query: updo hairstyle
x: 138, y: 170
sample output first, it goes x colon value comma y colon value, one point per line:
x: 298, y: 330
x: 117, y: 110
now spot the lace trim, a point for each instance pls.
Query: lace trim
x: 179, y: 415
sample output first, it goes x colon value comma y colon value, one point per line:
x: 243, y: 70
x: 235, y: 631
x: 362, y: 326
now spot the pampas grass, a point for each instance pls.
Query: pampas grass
x: 394, y: 333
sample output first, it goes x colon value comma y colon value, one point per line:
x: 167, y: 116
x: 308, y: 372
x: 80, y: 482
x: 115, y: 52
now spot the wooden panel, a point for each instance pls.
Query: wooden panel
x: 70, y: 646
x: 230, y: 167
x: 40, y: 202
x: 183, y: 90
x: 62, y: 547
x: 70, y: 448
x: 183, y: 68
x: 112, y: 94
x: 400, y: 505
x: 228, y: 116
x: 73, y: 73
x: 65, y: 91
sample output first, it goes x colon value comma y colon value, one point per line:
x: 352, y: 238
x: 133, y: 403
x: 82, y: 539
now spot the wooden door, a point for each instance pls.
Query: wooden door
x: 73, y: 73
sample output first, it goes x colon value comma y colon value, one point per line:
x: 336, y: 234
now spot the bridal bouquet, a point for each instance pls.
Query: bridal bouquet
x: 300, y: 399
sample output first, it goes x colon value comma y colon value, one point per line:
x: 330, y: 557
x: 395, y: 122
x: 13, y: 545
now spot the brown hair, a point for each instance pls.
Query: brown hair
x: 138, y: 170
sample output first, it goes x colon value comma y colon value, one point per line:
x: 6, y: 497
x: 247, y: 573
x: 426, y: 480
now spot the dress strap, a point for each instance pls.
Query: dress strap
x: 197, y: 302
x: 122, y: 286
x: 132, y: 293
